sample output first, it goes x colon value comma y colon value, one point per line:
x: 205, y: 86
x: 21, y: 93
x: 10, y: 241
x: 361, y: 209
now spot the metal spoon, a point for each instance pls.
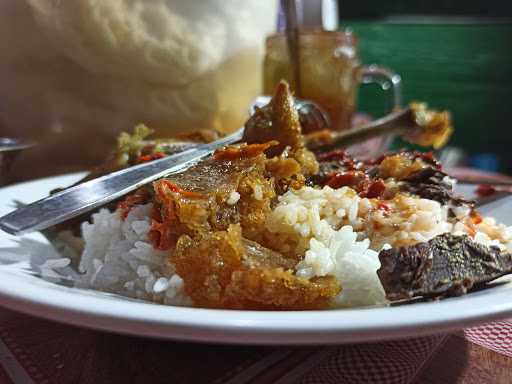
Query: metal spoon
x: 292, y: 40
x: 395, y: 123
x: 312, y: 118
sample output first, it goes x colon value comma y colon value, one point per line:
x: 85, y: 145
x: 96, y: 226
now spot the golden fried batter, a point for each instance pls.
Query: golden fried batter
x: 221, y: 270
x: 400, y: 166
x: 275, y: 288
x: 435, y: 127
x: 196, y: 201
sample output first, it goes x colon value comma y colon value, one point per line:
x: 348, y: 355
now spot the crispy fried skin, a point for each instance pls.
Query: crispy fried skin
x: 277, y: 289
x: 222, y: 270
x: 195, y: 201
x: 243, y: 151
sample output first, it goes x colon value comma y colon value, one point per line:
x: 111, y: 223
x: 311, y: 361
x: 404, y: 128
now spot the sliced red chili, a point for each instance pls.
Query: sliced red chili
x: 383, y: 206
x: 476, y: 218
x: 376, y: 189
x: 161, y: 236
x: 151, y: 157
x: 334, y: 155
x: 140, y: 196
x: 177, y: 189
x: 346, y: 179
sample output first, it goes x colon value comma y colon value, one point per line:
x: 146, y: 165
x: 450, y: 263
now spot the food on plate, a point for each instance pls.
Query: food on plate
x: 436, y: 127
x: 268, y: 224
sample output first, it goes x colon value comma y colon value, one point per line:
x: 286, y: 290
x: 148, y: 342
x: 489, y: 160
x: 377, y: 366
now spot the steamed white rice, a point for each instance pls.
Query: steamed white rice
x: 119, y: 258
x: 320, y: 223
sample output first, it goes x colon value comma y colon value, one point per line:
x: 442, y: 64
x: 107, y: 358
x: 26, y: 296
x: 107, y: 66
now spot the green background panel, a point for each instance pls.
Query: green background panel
x: 464, y: 67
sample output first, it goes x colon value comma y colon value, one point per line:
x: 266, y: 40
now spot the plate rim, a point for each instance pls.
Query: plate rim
x: 247, y: 327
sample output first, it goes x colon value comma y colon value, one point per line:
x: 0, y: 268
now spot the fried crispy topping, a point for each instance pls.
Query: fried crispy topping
x: 400, y: 166
x: 243, y: 151
x: 435, y: 127
x: 221, y: 270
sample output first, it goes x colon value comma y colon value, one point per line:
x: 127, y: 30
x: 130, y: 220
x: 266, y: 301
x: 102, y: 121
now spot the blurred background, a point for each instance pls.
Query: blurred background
x: 73, y: 75
x: 451, y: 54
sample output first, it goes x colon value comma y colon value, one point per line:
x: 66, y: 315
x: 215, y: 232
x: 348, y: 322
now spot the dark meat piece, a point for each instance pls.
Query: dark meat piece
x: 326, y: 170
x: 429, y: 183
x: 445, y: 266
x: 429, y: 176
x: 335, y: 162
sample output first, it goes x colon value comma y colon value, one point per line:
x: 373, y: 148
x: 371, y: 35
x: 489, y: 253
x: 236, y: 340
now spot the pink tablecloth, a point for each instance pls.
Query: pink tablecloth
x: 39, y: 351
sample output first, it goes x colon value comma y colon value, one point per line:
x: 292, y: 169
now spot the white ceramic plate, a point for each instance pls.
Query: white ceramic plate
x: 22, y: 290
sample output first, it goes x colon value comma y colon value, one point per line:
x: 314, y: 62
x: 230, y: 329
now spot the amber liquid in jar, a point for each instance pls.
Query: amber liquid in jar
x: 328, y: 69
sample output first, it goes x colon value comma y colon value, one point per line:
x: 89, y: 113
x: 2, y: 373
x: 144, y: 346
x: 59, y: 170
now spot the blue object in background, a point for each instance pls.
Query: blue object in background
x: 485, y: 162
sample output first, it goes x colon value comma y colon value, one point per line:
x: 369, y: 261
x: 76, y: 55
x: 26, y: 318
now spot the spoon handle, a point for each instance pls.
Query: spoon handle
x: 394, y: 123
x: 292, y: 40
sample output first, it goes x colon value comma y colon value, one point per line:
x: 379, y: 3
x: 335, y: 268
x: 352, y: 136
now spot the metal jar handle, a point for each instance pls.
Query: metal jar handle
x: 386, y: 78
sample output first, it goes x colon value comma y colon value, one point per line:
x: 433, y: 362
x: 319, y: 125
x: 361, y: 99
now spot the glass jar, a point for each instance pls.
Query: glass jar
x: 329, y: 71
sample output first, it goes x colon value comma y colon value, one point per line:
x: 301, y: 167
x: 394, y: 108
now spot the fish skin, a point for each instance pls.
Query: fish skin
x: 447, y: 265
